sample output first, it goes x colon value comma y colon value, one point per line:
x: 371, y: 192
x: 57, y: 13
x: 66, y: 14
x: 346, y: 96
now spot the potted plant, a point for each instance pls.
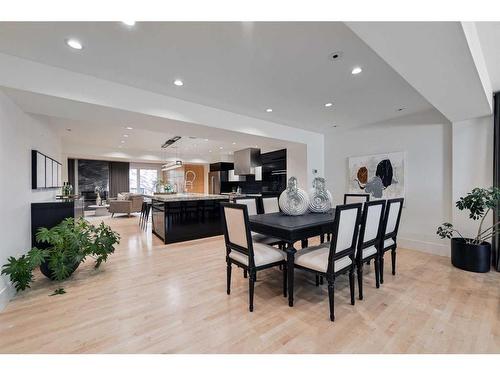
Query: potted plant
x: 68, y: 244
x: 473, y: 254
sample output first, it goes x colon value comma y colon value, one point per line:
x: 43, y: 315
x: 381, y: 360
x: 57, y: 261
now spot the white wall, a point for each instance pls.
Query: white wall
x: 427, y: 140
x: 472, y: 165
x: 19, y: 134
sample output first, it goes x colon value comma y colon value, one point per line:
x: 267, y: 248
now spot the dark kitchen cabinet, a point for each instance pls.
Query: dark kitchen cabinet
x: 273, y: 172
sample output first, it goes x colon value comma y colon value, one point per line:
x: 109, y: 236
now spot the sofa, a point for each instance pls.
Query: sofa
x: 125, y: 203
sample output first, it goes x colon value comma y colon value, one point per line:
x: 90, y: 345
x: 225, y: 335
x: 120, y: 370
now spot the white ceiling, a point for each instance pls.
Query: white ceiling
x: 92, y: 127
x: 243, y: 67
x: 489, y: 37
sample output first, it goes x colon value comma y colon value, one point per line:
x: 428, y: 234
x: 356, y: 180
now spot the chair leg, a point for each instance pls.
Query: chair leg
x: 381, y: 267
x: 251, y: 285
x: 285, y: 281
x: 228, y: 278
x: 245, y: 274
x: 393, y: 258
x: 351, y: 283
x: 321, y: 280
x: 317, y: 280
x: 330, y: 298
x: 360, y: 280
x: 322, y: 238
x: 377, y: 272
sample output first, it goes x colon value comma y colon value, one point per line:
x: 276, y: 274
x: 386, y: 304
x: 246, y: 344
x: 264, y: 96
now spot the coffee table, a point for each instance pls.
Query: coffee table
x: 100, y: 210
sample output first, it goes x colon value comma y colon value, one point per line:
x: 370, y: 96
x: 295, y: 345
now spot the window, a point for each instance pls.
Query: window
x: 143, y: 180
x: 133, y: 180
x: 147, y: 180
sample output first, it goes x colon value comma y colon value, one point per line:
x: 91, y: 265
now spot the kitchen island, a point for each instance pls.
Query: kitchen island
x: 186, y: 216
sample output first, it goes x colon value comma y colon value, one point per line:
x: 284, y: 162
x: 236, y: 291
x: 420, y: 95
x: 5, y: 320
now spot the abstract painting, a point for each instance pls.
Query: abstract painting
x: 381, y: 176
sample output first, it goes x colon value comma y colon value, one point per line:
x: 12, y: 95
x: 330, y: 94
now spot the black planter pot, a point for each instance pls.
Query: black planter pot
x: 47, y: 271
x: 469, y: 257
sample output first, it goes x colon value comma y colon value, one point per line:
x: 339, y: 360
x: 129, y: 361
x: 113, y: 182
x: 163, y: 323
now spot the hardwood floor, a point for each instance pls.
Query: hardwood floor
x: 152, y: 298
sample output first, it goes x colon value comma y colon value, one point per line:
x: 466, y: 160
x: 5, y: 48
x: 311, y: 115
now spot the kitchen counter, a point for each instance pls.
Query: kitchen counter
x: 184, y: 197
x: 186, y: 216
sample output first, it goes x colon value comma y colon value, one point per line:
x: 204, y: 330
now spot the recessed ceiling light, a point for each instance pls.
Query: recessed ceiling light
x: 206, y: 140
x: 356, y: 70
x: 73, y: 43
x: 122, y: 141
x: 209, y: 150
x: 129, y: 23
x: 220, y: 148
x: 178, y: 82
x: 328, y: 105
x: 234, y: 143
x: 125, y: 135
x: 269, y: 110
x: 128, y: 127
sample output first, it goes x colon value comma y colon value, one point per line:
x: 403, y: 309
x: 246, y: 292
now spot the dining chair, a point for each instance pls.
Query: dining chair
x: 370, y: 234
x: 251, y: 204
x: 270, y: 205
x: 244, y: 252
x: 390, y: 227
x: 356, y: 198
x: 336, y: 258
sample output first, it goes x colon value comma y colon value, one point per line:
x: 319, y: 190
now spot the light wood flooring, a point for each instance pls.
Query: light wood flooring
x: 152, y: 298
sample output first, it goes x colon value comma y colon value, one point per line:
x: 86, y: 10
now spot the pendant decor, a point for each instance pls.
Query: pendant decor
x: 293, y: 201
x: 320, y: 199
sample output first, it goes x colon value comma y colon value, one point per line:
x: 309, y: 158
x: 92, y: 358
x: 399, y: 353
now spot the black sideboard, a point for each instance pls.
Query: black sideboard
x: 49, y: 214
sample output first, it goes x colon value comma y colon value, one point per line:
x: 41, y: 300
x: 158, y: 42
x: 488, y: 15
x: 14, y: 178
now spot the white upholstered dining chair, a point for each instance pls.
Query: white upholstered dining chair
x: 243, y: 252
x: 390, y: 227
x: 270, y: 205
x: 370, y: 235
x: 337, y: 257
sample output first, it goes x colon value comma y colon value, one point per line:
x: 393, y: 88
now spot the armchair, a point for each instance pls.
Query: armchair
x: 132, y: 203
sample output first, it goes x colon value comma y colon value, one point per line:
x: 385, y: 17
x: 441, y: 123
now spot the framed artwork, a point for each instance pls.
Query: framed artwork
x: 382, y: 175
x: 46, y: 173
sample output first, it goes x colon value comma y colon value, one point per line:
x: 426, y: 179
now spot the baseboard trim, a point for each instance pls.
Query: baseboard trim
x: 426, y: 247
x: 6, y: 295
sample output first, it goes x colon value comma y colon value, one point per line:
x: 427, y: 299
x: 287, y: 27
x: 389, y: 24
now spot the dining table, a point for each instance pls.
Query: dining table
x: 291, y: 229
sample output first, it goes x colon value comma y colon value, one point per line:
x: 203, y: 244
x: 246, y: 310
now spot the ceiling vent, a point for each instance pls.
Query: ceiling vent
x: 171, y: 141
x: 335, y: 56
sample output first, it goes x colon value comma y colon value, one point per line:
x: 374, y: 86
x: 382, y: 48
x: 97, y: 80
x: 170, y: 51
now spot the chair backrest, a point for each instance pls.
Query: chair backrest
x: 370, y: 230
x: 270, y: 205
x: 345, y: 233
x: 251, y: 203
x: 356, y: 198
x: 391, y: 218
x: 237, y: 230
x: 136, y: 202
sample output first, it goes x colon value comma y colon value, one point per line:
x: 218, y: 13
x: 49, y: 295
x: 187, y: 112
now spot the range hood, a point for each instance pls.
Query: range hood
x: 246, y: 160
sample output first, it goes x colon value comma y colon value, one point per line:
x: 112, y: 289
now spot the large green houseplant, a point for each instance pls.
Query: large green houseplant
x: 68, y: 244
x: 473, y: 254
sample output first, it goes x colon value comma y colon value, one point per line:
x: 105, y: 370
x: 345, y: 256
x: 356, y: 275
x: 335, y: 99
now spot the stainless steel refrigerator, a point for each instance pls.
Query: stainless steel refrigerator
x: 214, y: 181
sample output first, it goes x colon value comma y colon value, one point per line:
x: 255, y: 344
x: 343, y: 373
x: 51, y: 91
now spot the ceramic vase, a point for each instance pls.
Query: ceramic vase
x: 293, y: 201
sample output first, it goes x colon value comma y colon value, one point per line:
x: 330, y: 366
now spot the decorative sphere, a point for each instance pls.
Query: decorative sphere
x: 293, y: 201
x: 320, y: 199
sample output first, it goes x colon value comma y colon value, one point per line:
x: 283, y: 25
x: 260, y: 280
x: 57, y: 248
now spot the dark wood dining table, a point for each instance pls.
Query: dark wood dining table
x: 291, y: 229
